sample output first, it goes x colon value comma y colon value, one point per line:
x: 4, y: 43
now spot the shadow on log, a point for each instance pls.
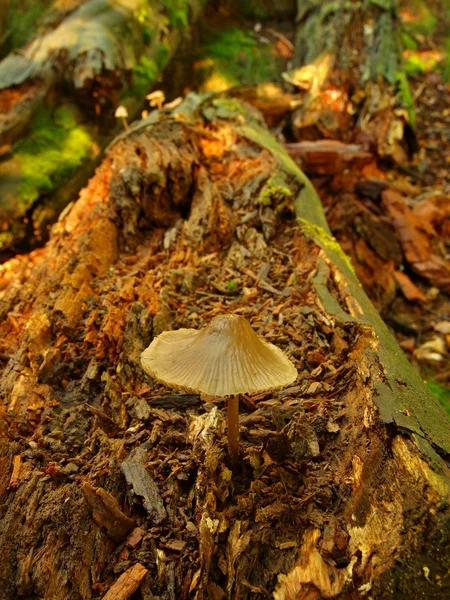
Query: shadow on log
x: 342, y: 489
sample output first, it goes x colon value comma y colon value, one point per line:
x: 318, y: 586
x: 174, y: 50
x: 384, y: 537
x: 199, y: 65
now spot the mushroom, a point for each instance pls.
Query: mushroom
x: 122, y: 113
x: 223, y: 359
x: 156, y: 98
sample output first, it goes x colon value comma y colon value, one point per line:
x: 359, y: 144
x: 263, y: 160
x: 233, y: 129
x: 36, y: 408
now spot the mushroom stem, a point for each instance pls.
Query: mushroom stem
x: 125, y: 123
x: 233, y: 427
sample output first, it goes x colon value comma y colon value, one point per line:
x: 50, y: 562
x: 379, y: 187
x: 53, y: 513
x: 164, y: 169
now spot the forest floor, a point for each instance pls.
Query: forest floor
x: 77, y: 318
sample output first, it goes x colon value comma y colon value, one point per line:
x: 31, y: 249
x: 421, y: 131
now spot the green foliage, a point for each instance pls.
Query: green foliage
x: 178, y: 12
x: 408, y: 41
x: 144, y: 16
x: 23, y: 17
x: 145, y: 74
x: 384, y: 4
x: 55, y: 147
x: 414, y: 64
x: 147, y: 70
x: 238, y: 57
x: 440, y: 393
x: 425, y: 21
x: 405, y: 96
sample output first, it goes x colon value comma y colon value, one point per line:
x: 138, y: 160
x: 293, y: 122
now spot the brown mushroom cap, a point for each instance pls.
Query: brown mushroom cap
x: 224, y: 358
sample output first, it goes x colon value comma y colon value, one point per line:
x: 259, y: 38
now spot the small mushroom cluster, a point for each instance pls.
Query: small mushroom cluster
x: 223, y: 359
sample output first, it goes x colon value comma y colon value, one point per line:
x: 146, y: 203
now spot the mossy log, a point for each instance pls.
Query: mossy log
x: 110, y: 484
x: 349, y: 62
x: 58, y: 95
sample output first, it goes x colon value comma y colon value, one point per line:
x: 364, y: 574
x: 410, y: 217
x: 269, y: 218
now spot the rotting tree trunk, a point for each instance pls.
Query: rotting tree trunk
x: 343, y: 486
x: 58, y: 95
x: 350, y: 64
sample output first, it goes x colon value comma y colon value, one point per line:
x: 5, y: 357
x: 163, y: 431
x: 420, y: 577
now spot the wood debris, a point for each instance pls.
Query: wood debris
x: 127, y: 583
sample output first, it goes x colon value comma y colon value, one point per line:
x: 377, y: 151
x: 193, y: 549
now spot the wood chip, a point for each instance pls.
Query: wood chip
x: 127, y: 583
x: 175, y: 545
x: 14, y: 481
x: 106, y: 512
x: 135, y: 537
x: 143, y: 485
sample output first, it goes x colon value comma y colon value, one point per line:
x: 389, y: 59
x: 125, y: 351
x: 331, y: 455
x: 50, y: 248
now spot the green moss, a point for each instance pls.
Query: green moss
x: 408, y: 41
x: 178, y: 12
x: 55, y: 147
x: 238, y: 57
x: 321, y: 237
x: 145, y: 17
x: 414, y: 64
x: 231, y: 109
x: 145, y: 73
x: 405, y: 96
x: 307, y: 204
x: 275, y: 188
x: 162, y: 56
x: 440, y: 393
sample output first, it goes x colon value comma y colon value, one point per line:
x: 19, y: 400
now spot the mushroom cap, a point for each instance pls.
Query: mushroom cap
x: 121, y: 111
x: 224, y: 358
x: 156, y: 97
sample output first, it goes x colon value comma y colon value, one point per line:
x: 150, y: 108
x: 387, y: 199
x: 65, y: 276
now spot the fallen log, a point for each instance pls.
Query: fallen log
x: 342, y: 487
x: 58, y: 95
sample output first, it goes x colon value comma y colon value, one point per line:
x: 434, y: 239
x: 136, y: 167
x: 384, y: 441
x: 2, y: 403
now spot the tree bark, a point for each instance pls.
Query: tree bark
x: 342, y: 490
x: 349, y: 62
x: 58, y: 95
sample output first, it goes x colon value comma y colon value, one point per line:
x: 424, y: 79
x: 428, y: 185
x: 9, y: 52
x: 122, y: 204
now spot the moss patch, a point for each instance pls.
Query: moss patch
x: 276, y: 188
x: 320, y: 236
x: 55, y: 148
x: 238, y: 58
x: 307, y: 204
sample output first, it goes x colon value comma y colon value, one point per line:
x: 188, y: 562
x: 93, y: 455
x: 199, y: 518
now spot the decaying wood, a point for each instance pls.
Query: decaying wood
x: 127, y: 583
x: 342, y: 489
x: 58, y: 94
x: 106, y: 512
x: 328, y: 157
x: 348, y: 58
